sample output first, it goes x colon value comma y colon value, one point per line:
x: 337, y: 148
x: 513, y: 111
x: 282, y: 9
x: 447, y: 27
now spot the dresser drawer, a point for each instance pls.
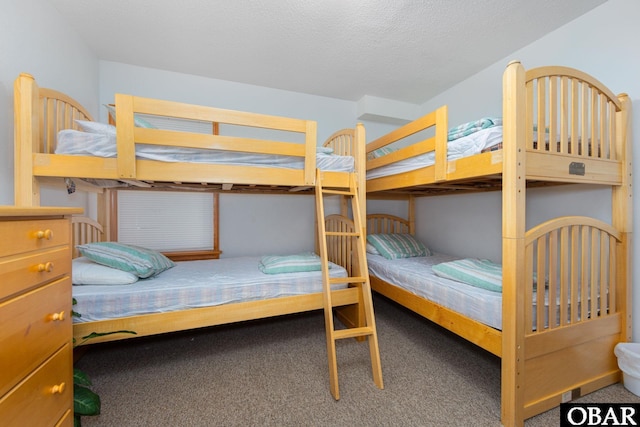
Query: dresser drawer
x: 28, y: 270
x: 66, y: 420
x: 44, y: 397
x: 34, y: 326
x: 29, y: 235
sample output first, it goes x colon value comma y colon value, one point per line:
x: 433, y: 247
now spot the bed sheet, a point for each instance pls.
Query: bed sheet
x: 416, y: 276
x: 456, y: 149
x: 192, y: 284
x: 75, y: 142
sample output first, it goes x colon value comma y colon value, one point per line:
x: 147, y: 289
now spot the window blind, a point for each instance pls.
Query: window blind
x: 166, y: 220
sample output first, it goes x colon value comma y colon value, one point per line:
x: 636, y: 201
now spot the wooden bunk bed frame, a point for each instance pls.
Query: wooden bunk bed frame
x: 41, y: 113
x: 573, y: 355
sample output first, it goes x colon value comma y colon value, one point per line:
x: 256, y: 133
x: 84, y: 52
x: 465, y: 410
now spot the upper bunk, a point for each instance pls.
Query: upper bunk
x: 559, y: 125
x: 159, y: 143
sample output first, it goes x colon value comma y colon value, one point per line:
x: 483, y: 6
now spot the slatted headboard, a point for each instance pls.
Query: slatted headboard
x: 85, y: 230
x: 387, y: 224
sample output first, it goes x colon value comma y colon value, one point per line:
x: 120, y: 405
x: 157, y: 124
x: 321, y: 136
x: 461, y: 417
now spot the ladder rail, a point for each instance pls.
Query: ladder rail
x: 361, y: 279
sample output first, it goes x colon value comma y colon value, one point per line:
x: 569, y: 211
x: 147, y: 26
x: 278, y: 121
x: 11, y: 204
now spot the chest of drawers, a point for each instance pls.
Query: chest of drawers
x: 36, y: 354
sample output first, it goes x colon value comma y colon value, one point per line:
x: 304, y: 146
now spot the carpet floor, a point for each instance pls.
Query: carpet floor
x: 274, y: 373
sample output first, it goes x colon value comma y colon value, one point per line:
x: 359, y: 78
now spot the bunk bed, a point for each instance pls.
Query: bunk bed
x: 555, y: 336
x: 260, y: 154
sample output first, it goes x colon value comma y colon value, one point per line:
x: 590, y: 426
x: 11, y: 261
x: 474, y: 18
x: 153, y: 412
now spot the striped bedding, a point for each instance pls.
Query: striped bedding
x: 464, y: 146
x: 416, y: 275
x: 75, y: 142
x: 192, y: 284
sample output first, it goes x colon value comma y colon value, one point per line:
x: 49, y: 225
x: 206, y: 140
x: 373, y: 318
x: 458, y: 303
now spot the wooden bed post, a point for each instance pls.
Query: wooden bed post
x: 27, y: 133
x: 622, y: 215
x: 358, y: 148
x: 513, y: 245
x: 411, y: 216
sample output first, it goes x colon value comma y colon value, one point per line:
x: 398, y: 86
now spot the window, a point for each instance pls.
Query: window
x: 182, y: 224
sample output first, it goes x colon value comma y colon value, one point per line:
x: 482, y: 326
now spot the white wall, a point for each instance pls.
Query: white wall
x: 602, y: 43
x: 35, y: 39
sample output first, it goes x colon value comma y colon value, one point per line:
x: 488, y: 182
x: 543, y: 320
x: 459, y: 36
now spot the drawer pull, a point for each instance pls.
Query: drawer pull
x: 46, y: 234
x: 48, y: 267
x: 58, y: 389
x: 58, y: 316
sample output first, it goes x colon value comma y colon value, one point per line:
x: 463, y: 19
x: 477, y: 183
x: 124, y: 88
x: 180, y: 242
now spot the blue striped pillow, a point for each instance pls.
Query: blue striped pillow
x: 140, y: 261
x: 393, y: 246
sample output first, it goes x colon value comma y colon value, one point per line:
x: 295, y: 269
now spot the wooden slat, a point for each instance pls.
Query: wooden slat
x: 553, y: 115
x: 564, y: 115
x: 575, y: 114
x: 554, y: 271
x: 541, y: 124
x: 584, y: 110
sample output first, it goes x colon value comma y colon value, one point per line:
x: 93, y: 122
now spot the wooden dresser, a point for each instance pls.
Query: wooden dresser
x: 36, y: 350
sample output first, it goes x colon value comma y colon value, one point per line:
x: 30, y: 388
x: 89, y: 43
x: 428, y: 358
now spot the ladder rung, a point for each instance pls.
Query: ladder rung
x: 352, y: 332
x: 343, y: 192
x: 342, y: 233
x: 352, y: 279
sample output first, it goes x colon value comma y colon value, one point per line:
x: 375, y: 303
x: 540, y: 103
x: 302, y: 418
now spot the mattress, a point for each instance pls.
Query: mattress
x: 74, y: 142
x: 192, y: 284
x: 468, y: 145
x: 416, y: 276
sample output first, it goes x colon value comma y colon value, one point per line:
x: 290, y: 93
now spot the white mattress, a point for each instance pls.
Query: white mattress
x: 192, y: 284
x: 458, y: 148
x: 416, y: 276
x: 102, y: 145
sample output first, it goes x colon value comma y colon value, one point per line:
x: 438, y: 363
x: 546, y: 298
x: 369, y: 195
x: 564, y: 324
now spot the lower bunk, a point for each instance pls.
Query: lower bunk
x: 572, y: 303
x: 192, y: 294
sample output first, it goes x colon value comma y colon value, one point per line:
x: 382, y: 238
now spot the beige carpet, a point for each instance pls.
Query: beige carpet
x: 274, y: 373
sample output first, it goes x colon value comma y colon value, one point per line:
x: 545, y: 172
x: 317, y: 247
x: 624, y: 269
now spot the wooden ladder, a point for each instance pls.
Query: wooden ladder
x: 368, y: 330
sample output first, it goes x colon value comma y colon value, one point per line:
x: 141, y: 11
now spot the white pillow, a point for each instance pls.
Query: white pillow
x: 86, y: 272
x: 372, y: 249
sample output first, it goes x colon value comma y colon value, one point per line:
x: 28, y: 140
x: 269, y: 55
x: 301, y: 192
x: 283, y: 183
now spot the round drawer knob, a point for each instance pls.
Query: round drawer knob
x: 58, y: 316
x: 44, y: 234
x: 47, y: 266
x: 58, y: 389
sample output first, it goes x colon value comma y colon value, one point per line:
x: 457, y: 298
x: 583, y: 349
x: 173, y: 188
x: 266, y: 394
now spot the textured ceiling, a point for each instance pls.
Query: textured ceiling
x: 405, y: 50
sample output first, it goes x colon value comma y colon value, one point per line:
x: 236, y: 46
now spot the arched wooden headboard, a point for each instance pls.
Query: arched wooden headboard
x: 85, y: 230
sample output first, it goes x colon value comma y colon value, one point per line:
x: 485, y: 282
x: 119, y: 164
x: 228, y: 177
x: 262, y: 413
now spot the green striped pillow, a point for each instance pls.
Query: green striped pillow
x: 480, y: 273
x: 393, y: 246
x: 140, y: 261
x: 275, y: 264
